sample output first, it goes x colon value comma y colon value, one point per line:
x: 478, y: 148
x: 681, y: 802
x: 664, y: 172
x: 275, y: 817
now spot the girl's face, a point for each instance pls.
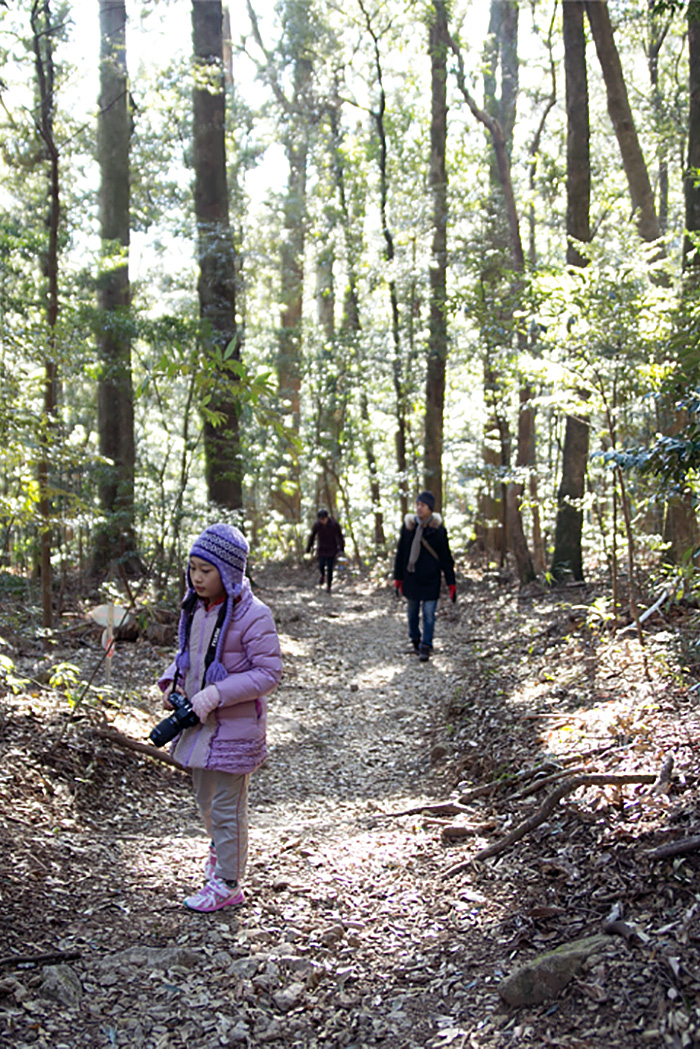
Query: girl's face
x: 206, y: 580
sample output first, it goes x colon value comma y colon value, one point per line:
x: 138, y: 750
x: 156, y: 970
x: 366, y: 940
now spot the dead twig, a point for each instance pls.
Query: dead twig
x: 435, y: 808
x: 506, y: 781
x: 548, y: 805
x: 546, y: 781
x: 675, y: 848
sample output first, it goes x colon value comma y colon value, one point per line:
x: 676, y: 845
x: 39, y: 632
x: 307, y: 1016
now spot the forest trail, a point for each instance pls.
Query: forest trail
x: 350, y: 935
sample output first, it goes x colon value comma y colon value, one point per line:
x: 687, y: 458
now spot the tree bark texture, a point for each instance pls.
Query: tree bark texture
x: 330, y: 408
x: 115, y: 402
x: 578, y: 134
x: 692, y: 189
x: 351, y: 324
x: 641, y: 193
x: 437, y: 339
x: 217, y: 264
x: 680, y: 529
x: 401, y: 435
x: 45, y: 75
x: 567, y: 557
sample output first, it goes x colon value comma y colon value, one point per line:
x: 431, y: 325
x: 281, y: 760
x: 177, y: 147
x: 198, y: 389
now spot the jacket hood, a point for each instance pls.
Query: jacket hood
x: 434, y: 521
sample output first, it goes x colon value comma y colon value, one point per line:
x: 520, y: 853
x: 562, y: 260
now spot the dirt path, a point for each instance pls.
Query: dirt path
x: 350, y: 935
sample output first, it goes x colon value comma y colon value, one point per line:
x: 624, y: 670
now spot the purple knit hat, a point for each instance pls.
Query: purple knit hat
x: 225, y: 547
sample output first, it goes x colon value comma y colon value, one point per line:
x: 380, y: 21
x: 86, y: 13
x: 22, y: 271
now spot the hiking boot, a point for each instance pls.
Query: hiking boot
x: 416, y: 644
x: 214, y: 895
x: 210, y: 865
x: 423, y: 653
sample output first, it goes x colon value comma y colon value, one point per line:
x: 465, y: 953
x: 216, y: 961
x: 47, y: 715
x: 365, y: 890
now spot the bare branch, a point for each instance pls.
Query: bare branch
x: 548, y: 805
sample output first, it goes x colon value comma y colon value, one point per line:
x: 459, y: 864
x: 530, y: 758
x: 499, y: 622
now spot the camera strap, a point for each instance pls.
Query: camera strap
x: 211, y: 649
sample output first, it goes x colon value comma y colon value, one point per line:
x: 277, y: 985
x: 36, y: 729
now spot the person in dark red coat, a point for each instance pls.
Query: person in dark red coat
x: 422, y: 557
x: 327, y: 533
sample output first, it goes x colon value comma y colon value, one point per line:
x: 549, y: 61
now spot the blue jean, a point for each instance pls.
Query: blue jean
x: 413, y: 610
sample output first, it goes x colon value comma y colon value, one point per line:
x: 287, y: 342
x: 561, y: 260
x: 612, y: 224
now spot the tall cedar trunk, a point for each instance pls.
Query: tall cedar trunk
x: 567, y: 557
x: 289, y: 349
x: 400, y: 408
x: 44, y: 65
x: 217, y: 264
x: 504, y: 22
x: 330, y: 408
x: 620, y: 112
x: 657, y: 35
x: 437, y: 341
x: 115, y: 539
x: 351, y: 325
x: 503, y: 36
x: 680, y: 523
x: 691, y: 255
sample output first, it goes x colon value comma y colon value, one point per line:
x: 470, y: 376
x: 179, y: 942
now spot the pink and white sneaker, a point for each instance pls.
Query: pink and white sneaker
x: 215, y: 895
x: 210, y: 865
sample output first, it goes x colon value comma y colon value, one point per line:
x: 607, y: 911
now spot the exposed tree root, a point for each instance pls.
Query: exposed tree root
x: 547, y: 807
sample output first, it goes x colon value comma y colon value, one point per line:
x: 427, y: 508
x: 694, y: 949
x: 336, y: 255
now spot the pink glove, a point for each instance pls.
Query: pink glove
x: 453, y: 593
x: 205, y: 701
x: 399, y: 586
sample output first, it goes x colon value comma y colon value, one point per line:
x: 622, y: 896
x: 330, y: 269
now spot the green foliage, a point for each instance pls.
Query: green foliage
x: 8, y: 676
x: 673, y: 459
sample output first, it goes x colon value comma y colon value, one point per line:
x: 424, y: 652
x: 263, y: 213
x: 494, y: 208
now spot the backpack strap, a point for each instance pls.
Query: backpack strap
x: 428, y: 547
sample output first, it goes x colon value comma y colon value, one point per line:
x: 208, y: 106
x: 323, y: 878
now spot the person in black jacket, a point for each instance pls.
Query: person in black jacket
x: 328, y: 534
x: 422, y: 556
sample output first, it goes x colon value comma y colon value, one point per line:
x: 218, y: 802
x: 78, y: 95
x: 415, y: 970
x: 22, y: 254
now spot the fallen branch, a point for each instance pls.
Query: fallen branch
x: 594, y: 779
x: 675, y: 848
x: 546, y: 782
x: 459, y: 831
x: 434, y: 808
x: 506, y: 781
x: 115, y: 736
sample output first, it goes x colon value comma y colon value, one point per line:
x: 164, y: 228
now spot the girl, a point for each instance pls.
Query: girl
x: 228, y: 660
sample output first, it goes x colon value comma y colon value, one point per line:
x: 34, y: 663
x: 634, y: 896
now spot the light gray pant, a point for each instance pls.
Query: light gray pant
x: 223, y: 801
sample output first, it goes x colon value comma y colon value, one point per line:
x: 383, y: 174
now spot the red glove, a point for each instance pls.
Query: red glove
x: 398, y: 586
x: 453, y: 593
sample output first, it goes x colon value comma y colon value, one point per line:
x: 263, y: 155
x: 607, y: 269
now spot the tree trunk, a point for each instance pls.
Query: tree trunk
x: 620, y: 112
x: 351, y: 325
x: 691, y: 255
x: 680, y: 521
x: 289, y: 363
x: 44, y: 66
x: 401, y: 435
x: 657, y: 35
x: 567, y: 557
x: 330, y: 399
x: 437, y: 340
x: 216, y: 256
x: 498, y: 117
x: 115, y: 539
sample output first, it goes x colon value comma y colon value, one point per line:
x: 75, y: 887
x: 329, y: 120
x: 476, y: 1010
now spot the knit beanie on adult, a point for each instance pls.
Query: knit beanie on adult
x: 428, y: 498
x: 225, y: 547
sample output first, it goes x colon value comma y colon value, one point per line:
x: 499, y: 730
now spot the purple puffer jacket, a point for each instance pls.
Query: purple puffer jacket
x: 232, y: 739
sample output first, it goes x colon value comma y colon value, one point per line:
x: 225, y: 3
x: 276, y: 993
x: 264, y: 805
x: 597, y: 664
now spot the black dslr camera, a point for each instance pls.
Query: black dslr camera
x: 183, y: 716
